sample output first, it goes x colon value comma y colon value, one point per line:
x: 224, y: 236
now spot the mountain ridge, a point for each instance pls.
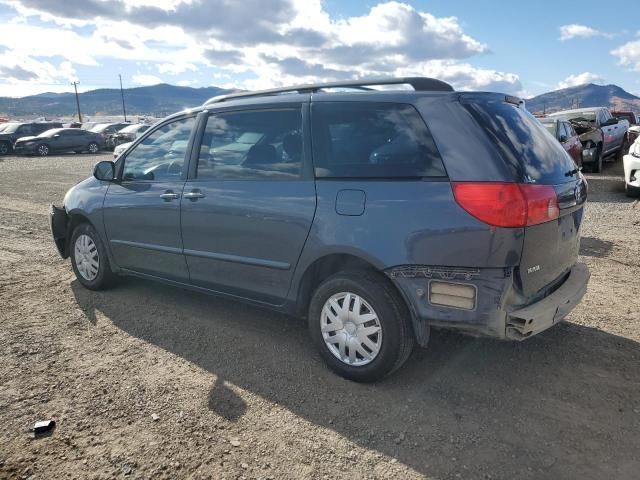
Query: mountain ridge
x: 163, y: 99
x: 586, y: 95
x: 159, y: 100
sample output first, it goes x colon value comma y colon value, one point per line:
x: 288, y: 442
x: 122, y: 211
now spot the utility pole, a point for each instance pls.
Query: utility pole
x: 124, y: 110
x: 75, y: 86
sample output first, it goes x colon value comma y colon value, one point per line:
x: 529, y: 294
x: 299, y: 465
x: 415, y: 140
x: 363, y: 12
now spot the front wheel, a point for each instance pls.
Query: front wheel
x: 89, y: 258
x: 93, y: 147
x: 361, y: 326
x: 631, y: 191
x: 42, y: 150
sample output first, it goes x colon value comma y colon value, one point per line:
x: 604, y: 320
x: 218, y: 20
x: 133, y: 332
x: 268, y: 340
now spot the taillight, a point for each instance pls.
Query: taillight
x: 507, y: 204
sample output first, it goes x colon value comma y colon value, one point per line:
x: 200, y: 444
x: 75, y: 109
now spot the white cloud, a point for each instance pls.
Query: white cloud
x: 568, y: 32
x: 143, y: 79
x: 628, y: 55
x: 580, y: 79
x: 293, y: 41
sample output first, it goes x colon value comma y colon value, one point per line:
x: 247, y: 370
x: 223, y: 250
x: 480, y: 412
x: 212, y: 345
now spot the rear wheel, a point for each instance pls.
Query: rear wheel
x: 93, y: 147
x: 89, y: 258
x: 361, y: 326
x: 5, y: 148
x: 42, y: 150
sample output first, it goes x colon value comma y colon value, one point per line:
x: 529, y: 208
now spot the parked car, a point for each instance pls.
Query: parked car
x: 119, y: 150
x: 126, y: 135
x: 615, y: 139
x: 631, y: 163
x: 634, y: 133
x: 107, y: 129
x: 14, y: 131
x: 345, y: 212
x: 563, y: 132
x: 59, y: 140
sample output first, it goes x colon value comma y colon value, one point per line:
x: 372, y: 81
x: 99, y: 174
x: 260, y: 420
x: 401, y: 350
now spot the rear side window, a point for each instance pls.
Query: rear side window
x: 372, y: 140
x: 523, y: 142
x: 252, y: 145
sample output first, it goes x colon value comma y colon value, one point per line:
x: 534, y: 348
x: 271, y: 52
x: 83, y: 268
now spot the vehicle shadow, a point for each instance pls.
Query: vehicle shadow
x: 561, y: 405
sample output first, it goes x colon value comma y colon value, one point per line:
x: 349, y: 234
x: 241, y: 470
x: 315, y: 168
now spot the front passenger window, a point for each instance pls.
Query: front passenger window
x: 161, y: 155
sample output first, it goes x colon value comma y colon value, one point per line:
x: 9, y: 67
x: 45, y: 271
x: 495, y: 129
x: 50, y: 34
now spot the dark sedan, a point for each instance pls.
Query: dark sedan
x: 59, y: 140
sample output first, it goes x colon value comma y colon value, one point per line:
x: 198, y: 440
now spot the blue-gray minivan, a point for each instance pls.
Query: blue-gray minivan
x: 377, y: 210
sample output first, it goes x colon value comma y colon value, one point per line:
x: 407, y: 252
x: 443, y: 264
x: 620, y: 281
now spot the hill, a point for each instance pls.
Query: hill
x: 588, y: 95
x: 156, y: 100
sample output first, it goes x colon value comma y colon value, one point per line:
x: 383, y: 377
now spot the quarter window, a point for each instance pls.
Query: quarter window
x: 261, y: 144
x: 372, y: 140
x: 160, y: 156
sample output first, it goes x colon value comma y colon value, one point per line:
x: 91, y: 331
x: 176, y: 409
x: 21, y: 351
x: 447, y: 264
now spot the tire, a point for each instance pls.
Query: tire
x: 93, y: 148
x: 382, y: 312
x: 631, y: 191
x: 596, y: 167
x: 42, y: 150
x: 89, y: 258
x: 624, y: 148
x: 5, y: 148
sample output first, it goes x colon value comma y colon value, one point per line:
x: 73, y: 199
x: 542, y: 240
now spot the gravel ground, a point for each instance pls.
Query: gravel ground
x: 147, y: 381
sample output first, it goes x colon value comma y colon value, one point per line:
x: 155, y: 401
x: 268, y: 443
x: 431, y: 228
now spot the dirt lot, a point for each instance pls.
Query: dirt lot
x: 146, y: 381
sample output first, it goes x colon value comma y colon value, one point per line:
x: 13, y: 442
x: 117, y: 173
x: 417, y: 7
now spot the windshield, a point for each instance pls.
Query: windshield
x: 131, y: 129
x: 5, y: 126
x: 550, y: 126
x: 100, y: 128
x: 50, y: 132
x: 523, y: 142
x: 11, y: 128
x: 578, y: 116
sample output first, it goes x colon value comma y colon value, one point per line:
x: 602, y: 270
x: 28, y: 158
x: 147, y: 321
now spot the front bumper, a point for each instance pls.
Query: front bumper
x: 24, y: 149
x: 631, y: 166
x: 58, y: 221
x: 499, y: 310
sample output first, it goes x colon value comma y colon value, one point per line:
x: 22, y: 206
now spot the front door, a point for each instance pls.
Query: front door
x: 249, y: 203
x: 142, y: 209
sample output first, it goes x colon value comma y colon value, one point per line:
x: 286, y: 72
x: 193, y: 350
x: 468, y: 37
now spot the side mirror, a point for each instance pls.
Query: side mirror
x: 105, y: 170
x: 563, y: 138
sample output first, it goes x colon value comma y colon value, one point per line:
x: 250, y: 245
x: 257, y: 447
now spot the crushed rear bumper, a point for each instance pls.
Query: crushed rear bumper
x: 499, y: 311
x: 537, y: 317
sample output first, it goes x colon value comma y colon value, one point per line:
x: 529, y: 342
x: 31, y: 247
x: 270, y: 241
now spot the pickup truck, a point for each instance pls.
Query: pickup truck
x: 614, y: 139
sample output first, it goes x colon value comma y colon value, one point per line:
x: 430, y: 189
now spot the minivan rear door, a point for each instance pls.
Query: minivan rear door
x: 249, y: 201
x: 535, y: 157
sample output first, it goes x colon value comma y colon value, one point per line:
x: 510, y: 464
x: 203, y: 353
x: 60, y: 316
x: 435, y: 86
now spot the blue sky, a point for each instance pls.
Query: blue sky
x: 512, y: 46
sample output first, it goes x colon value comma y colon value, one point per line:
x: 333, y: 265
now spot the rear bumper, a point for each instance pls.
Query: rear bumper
x: 58, y: 221
x: 498, y: 309
x: 537, y: 317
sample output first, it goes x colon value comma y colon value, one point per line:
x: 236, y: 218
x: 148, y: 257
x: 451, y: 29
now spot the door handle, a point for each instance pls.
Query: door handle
x: 169, y: 195
x: 194, y: 195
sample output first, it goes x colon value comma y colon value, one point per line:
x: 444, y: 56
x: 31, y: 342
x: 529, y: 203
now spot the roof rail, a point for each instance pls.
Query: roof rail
x: 420, y: 84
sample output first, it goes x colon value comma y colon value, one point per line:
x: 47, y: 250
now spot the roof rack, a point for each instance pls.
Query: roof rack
x: 419, y: 84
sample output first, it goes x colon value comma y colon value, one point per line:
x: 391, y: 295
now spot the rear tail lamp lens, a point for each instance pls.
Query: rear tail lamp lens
x: 507, y: 204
